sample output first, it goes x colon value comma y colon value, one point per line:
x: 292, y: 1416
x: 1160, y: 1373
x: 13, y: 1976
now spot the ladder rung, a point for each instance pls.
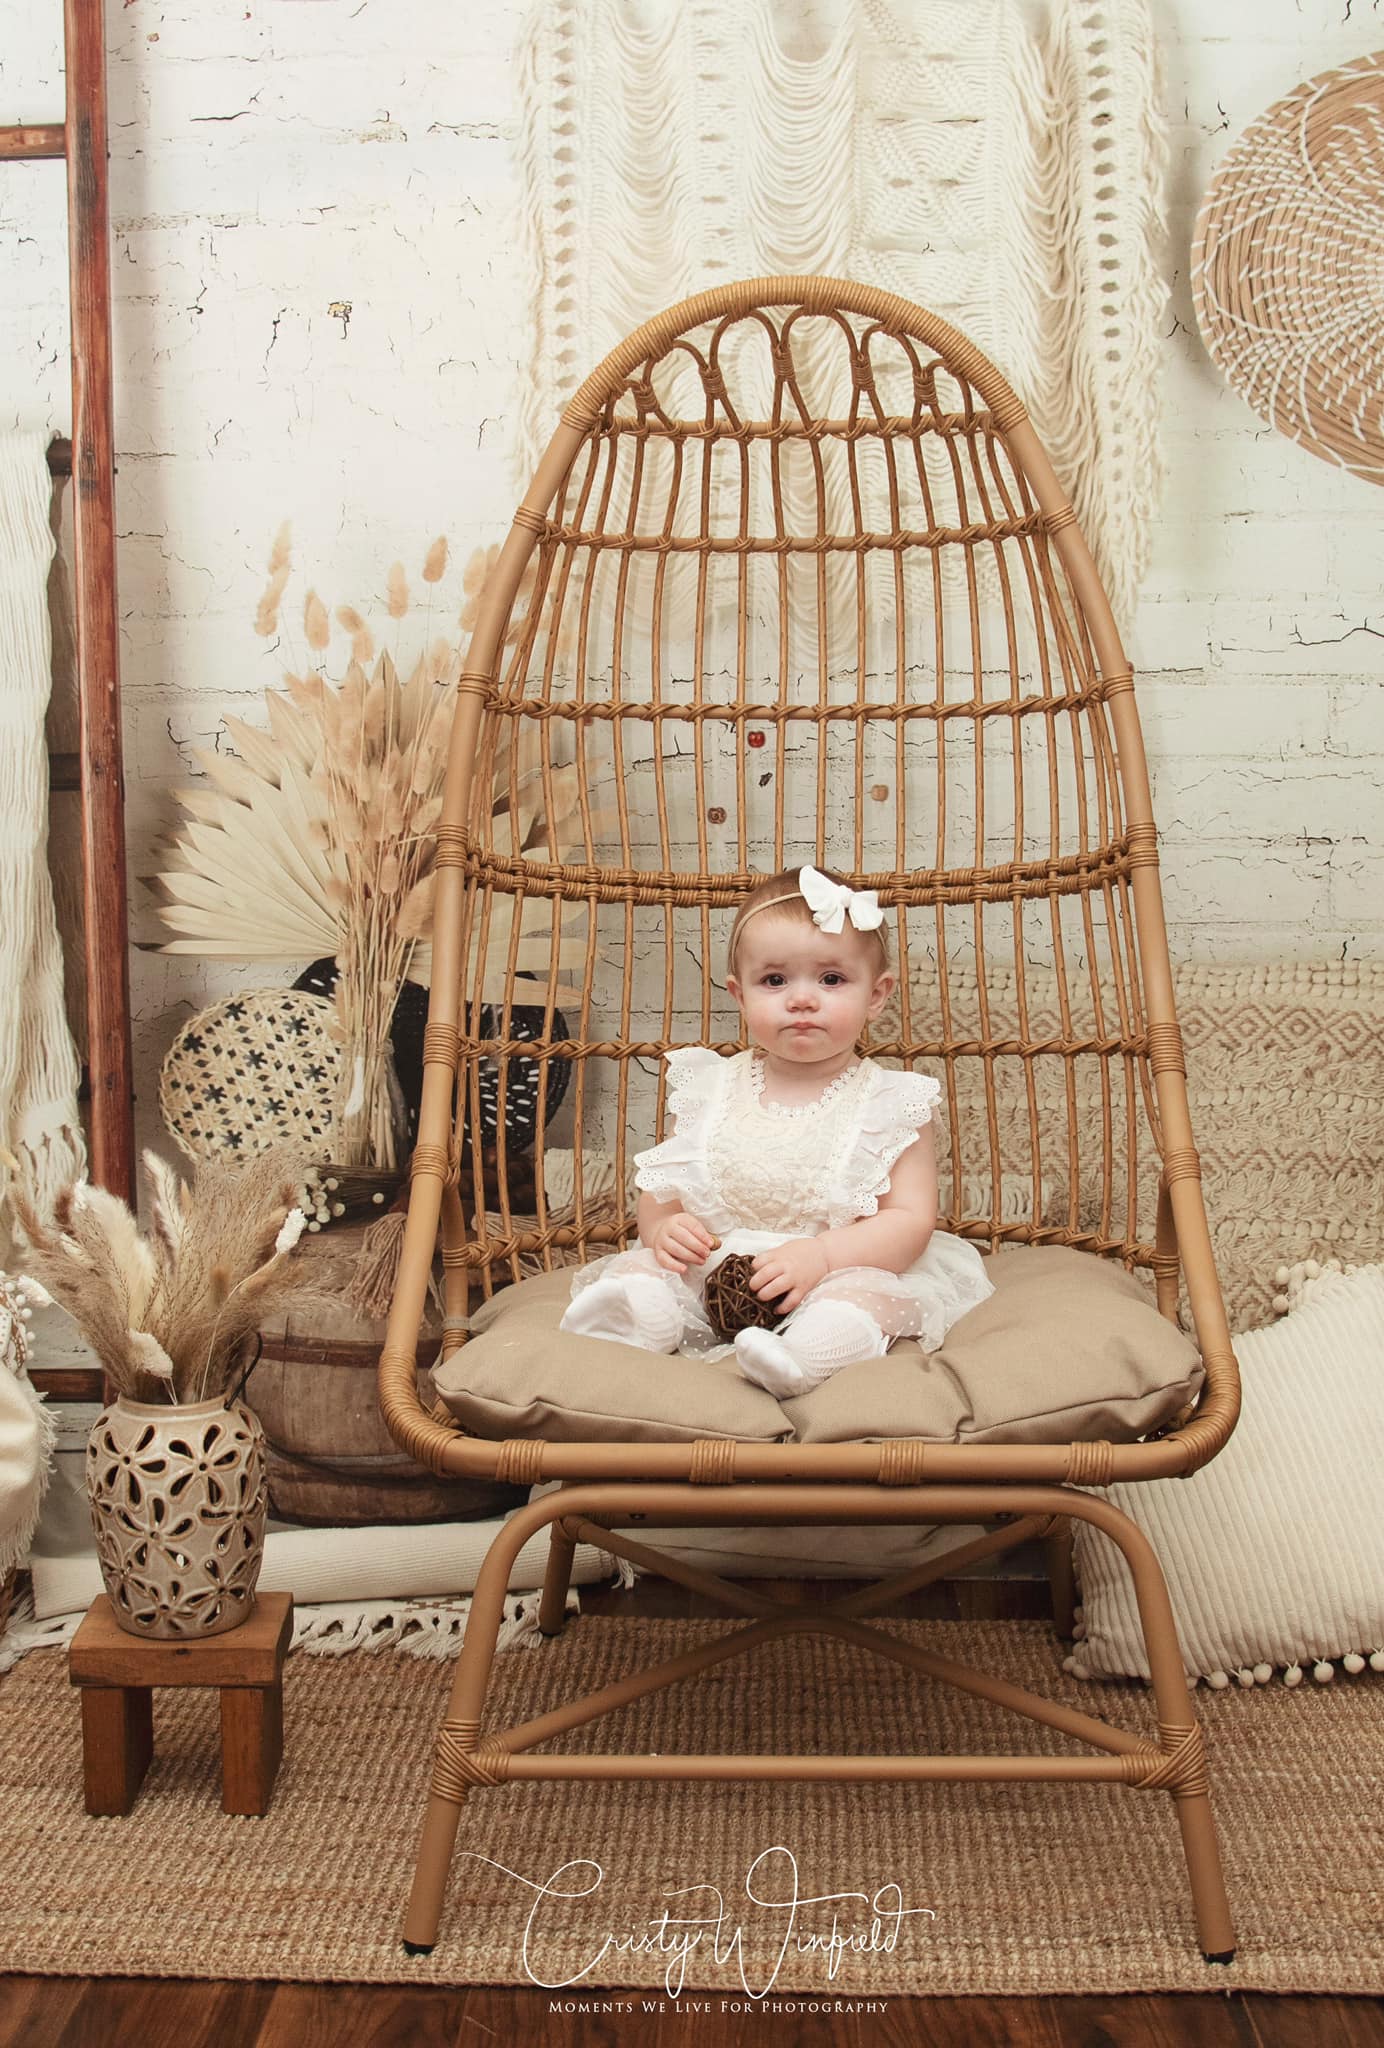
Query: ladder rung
x: 42, y: 139
x: 60, y: 457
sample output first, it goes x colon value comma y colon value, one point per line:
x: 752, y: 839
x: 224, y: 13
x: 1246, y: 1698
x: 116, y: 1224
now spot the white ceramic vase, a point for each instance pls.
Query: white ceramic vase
x: 178, y: 1503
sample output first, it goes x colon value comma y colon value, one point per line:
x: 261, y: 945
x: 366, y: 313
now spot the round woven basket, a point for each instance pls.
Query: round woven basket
x: 255, y: 1071
x: 1286, y: 273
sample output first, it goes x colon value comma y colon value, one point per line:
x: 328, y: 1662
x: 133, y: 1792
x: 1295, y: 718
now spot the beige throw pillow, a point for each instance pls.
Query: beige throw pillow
x: 1274, y: 1552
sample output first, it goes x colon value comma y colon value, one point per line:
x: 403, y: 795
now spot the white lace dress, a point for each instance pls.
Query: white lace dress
x: 756, y: 1173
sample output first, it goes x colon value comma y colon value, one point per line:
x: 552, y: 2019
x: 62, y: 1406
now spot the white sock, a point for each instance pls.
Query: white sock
x: 826, y: 1336
x: 629, y: 1308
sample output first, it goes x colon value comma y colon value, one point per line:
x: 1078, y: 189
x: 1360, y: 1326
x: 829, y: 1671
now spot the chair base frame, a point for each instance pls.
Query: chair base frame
x: 595, y: 1512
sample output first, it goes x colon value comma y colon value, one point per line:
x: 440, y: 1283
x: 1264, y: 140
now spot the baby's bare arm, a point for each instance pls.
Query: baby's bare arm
x: 650, y: 1212
x: 906, y: 1219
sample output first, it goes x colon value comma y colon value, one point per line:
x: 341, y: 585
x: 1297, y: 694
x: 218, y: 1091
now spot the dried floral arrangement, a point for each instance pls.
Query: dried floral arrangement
x: 317, y: 837
x: 168, y: 1314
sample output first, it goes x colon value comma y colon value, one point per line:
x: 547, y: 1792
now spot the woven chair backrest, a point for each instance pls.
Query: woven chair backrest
x: 796, y: 583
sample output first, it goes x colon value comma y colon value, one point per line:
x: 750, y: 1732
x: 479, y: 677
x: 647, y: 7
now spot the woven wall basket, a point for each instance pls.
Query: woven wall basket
x: 1286, y: 274
x: 255, y: 1071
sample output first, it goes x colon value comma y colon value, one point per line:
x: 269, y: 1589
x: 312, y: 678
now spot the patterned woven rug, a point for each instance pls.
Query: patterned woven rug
x: 1030, y: 1888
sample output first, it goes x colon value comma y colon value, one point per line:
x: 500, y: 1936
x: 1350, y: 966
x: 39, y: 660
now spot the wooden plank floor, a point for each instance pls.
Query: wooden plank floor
x: 167, y: 2012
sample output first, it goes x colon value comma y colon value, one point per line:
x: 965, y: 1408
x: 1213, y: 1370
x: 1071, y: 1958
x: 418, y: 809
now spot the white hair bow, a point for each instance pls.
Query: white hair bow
x: 832, y: 902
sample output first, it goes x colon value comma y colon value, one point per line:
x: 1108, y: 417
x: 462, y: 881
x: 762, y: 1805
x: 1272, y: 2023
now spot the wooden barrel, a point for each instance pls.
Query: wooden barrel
x: 330, y: 1460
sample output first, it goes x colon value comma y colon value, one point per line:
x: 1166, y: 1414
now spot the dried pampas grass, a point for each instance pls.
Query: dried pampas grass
x: 168, y: 1314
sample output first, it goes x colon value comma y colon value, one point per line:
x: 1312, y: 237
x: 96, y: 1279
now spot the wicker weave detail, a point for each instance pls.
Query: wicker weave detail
x: 1177, y: 1766
x: 1090, y: 1464
x: 433, y: 1159
x: 1182, y: 1164
x: 519, y: 1461
x: 1165, y: 1049
x: 440, y: 1043
x: 902, y: 1462
x: 713, y: 1461
x: 463, y: 1760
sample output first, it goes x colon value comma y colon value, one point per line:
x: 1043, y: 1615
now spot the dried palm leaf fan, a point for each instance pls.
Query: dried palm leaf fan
x: 1286, y: 267
x: 977, y: 764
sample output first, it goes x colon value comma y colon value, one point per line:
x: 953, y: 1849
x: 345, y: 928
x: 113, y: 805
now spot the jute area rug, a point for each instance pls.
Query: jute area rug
x: 690, y: 1888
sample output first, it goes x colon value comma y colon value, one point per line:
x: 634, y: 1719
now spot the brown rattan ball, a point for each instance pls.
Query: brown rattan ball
x: 730, y: 1303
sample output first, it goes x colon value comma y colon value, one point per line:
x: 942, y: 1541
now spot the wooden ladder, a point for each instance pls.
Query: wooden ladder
x: 97, y: 771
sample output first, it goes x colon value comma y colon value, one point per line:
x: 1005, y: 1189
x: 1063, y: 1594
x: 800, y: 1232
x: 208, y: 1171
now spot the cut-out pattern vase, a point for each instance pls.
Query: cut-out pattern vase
x: 178, y: 1504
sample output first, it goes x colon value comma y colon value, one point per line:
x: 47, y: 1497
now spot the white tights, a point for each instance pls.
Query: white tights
x: 637, y: 1308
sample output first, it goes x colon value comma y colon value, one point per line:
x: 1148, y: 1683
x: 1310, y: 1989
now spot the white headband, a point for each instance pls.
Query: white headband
x: 831, y: 903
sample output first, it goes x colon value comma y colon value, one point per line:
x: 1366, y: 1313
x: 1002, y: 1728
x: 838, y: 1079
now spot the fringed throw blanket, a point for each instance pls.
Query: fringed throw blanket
x: 1011, y: 182
x: 39, y: 1074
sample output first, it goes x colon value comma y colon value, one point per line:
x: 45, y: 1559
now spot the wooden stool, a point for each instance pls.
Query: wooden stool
x: 117, y: 1672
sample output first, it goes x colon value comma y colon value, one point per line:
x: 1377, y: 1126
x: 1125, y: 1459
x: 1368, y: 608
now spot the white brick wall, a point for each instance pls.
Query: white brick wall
x: 276, y: 161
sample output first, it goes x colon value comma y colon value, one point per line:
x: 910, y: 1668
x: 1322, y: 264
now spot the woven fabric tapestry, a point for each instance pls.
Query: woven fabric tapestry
x: 1010, y: 182
x: 1285, y: 1076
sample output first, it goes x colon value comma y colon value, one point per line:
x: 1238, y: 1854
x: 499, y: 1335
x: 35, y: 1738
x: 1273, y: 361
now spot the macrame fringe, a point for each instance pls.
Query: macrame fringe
x: 421, y: 1628
x: 377, y: 1266
x: 435, y: 1629
x: 1012, y: 181
x: 25, y: 1634
x: 39, y: 1069
x: 15, y: 1541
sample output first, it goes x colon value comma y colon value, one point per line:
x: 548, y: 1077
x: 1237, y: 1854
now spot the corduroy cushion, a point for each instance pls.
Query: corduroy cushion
x: 1069, y: 1347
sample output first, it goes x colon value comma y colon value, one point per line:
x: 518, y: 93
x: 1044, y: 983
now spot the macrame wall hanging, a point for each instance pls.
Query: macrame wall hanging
x: 39, y: 1073
x: 1009, y: 181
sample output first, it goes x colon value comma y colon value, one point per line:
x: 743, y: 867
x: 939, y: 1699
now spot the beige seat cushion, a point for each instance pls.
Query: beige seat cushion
x: 1068, y: 1347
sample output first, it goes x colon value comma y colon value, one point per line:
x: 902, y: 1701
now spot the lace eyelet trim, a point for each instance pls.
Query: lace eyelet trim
x: 794, y: 1110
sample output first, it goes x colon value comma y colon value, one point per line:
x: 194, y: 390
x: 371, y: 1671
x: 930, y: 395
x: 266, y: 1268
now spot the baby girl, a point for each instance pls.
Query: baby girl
x: 815, y: 1160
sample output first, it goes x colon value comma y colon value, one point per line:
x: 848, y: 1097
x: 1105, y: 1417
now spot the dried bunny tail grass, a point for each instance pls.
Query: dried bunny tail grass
x: 267, y: 611
x: 396, y: 590
x: 316, y: 624
x: 362, y: 639
x: 435, y: 562
x: 280, y: 554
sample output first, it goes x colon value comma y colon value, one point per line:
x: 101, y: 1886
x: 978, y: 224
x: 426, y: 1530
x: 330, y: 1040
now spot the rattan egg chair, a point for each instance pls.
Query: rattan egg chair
x: 795, y: 581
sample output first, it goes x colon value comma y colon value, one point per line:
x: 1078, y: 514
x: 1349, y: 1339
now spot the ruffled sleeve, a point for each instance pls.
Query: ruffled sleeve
x: 677, y: 1168
x: 890, y: 1118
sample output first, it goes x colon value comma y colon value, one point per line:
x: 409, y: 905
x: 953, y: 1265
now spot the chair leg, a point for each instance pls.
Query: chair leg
x: 1057, y: 1545
x: 552, y: 1607
x: 1179, y: 1736
x: 454, y: 1771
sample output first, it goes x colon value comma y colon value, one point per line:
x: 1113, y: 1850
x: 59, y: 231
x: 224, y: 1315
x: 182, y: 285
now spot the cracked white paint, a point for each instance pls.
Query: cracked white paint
x: 319, y: 317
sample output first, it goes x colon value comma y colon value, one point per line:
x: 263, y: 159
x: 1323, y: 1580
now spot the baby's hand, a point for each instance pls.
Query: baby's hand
x: 789, y: 1271
x: 681, y: 1241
